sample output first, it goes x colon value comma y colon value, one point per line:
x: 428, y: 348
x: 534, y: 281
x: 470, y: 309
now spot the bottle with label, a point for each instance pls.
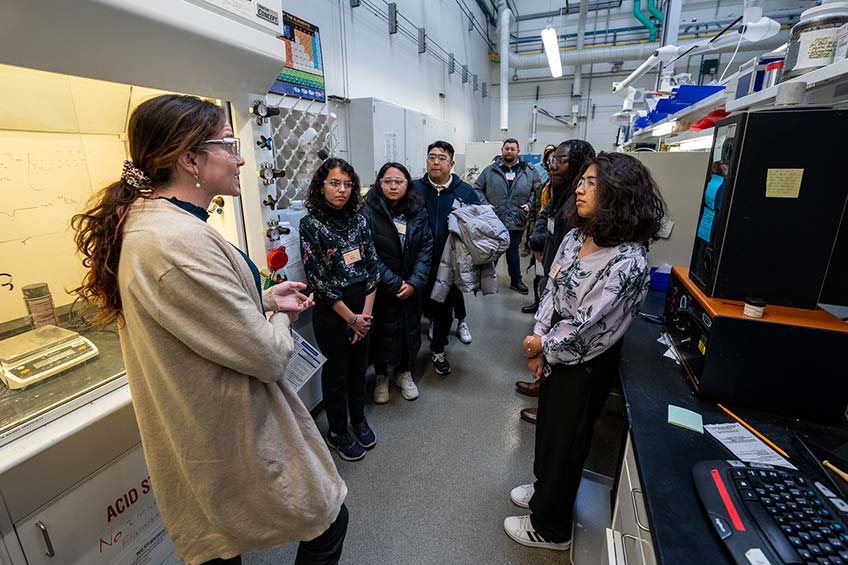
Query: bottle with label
x: 39, y: 303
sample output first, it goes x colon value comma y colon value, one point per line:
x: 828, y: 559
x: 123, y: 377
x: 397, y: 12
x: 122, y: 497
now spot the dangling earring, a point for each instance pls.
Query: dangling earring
x: 197, y: 184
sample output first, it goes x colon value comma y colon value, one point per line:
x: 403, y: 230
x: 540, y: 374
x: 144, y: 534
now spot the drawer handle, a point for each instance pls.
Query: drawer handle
x: 625, y: 537
x: 46, y: 536
x: 639, y: 523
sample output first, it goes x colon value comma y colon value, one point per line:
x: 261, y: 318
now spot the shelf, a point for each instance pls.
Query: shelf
x: 822, y: 87
x: 697, y: 110
x: 688, y: 136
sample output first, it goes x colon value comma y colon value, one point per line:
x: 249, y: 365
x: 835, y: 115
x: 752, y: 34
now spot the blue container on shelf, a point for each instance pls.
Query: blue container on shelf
x: 659, y: 281
x: 655, y: 116
x: 642, y: 122
x: 670, y: 105
x: 691, y: 93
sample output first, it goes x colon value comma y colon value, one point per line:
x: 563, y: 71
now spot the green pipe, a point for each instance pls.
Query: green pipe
x: 652, y: 7
x: 643, y: 19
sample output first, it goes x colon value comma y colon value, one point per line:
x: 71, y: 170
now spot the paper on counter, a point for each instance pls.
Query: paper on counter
x: 746, y: 446
x: 663, y: 339
x: 305, y: 362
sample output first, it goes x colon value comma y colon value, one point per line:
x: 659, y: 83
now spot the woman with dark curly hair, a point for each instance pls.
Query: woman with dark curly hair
x: 597, y: 281
x: 341, y: 268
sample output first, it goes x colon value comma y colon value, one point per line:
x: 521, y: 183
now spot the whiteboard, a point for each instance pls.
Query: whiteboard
x: 46, y: 178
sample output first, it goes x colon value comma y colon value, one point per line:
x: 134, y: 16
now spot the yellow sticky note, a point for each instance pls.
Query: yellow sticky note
x: 784, y: 183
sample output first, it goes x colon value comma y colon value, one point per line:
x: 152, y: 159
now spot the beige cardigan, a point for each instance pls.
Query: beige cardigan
x: 236, y: 461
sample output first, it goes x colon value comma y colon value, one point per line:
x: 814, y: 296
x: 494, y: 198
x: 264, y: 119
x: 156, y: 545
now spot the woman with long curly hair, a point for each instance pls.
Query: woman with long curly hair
x: 341, y: 267
x: 236, y: 461
x: 596, y: 284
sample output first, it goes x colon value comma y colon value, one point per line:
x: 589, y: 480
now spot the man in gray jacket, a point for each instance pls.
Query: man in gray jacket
x: 508, y: 184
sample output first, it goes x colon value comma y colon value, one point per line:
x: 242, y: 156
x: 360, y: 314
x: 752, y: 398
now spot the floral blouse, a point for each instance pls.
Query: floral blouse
x: 337, y: 252
x: 589, y: 301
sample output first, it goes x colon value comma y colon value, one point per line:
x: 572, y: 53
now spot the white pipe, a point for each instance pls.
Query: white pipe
x: 638, y: 52
x: 503, y: 29
x: 577, y: 85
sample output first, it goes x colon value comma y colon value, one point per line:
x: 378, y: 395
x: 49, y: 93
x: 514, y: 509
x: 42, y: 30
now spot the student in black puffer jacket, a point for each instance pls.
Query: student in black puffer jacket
x: 397, y: 218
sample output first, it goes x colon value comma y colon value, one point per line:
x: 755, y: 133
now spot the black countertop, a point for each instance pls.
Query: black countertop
x: 665, y: 454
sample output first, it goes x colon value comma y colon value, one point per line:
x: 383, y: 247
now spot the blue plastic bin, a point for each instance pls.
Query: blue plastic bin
x: 659, y: 281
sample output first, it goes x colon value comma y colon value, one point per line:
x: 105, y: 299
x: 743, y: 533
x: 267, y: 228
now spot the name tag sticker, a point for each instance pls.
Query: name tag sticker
x: 551, y: 225
x: 555, y: 269
x: 351, y: 256
x: 401, y: 228
x: 510, y: 176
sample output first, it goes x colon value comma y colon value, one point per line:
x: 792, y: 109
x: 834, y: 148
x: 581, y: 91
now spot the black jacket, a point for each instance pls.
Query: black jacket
x: 397, y: 323
x: 545, y: 240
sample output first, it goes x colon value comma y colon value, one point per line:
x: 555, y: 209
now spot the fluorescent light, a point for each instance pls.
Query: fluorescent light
x: 663, y: 129
x: 551, y: 43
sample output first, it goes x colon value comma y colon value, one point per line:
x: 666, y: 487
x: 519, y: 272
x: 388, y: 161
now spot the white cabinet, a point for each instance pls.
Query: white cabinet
x: 110, y: 518
x: 382, y: 131
x: 629, y: 542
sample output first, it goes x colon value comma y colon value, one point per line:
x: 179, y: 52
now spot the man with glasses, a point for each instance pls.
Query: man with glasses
x: 509, y: 184
x: 441, y: 190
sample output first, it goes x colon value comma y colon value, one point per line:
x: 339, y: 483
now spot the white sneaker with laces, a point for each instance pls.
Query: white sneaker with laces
x: 520, y: 529
x: 381, y: 389
x: 521, y: 495
x: 463, y: 333
x: 407, y: 386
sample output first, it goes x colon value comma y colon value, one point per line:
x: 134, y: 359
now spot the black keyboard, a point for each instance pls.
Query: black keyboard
x: 767, y: 515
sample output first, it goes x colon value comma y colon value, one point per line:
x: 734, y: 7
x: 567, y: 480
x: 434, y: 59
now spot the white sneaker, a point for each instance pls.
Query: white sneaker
x: 381, y: 389
x: 407, y: 387
x: 520, y: 496
x: 430, y: 330
x: 520, y: 529
x: 463, y: 333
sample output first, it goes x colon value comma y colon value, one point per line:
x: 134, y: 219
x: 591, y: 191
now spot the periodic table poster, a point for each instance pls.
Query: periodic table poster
x: 303, y: 73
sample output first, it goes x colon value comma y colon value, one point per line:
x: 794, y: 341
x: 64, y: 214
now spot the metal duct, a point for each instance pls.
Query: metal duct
x: 638, y: 52
x: 577, y: 86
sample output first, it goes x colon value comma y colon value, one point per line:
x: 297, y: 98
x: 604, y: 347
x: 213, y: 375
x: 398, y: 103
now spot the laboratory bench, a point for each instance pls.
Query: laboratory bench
x: 657, y: 515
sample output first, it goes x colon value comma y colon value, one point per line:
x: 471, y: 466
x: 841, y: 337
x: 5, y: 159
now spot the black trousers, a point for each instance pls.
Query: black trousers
x: 326, y: 549
x: 570, y: 402
x: 343, y: 375
x: 442, y: 314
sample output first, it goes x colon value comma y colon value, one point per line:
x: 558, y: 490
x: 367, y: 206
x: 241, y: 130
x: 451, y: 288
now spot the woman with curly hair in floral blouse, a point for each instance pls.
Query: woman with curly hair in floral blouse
x: 341, y: 269
x: 595, y: 286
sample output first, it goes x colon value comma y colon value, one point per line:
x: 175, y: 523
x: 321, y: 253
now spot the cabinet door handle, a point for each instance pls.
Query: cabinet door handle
x: 46, y: 536
x: 624, y: 538
x: 639, y: 523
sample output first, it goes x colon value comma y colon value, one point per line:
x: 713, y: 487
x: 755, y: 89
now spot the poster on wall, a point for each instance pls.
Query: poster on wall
x: 303, y: 73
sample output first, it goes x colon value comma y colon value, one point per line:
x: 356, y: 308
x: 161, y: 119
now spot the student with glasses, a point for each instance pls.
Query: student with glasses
x: 565, y: 165
x: 398, y: 222
x: 441, y: 190
x: 341, y: 268
x: 595, y: 287
x: 236, y: 460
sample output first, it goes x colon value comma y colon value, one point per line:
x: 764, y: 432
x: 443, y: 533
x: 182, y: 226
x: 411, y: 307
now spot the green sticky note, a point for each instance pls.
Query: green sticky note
x: 685, y: 418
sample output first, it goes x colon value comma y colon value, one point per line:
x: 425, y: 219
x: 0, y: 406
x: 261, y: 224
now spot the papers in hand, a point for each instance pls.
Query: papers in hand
x: 746, y: 446
x: 305, y: 362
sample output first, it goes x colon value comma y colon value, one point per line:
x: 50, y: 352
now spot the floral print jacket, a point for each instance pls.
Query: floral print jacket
x: 325, y: 240
x: 590, y: 301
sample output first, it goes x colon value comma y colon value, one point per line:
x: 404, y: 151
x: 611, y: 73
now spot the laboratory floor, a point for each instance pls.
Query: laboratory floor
x: 435, y: 489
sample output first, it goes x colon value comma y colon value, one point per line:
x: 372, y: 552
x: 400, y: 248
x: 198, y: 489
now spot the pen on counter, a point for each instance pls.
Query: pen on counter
x: 753, y: 431
x: 836, y: 470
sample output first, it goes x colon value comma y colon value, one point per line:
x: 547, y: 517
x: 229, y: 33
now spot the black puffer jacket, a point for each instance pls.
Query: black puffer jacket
x: 545, y: 240
x: 397, y: 323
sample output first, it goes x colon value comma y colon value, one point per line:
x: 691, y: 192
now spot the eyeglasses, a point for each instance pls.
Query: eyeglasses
x: 435, y: 158
x: 338, y: 185
x: 393, y: 182
x: 232, y: 144
x: 587, y: 184
x: 556, y: 161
